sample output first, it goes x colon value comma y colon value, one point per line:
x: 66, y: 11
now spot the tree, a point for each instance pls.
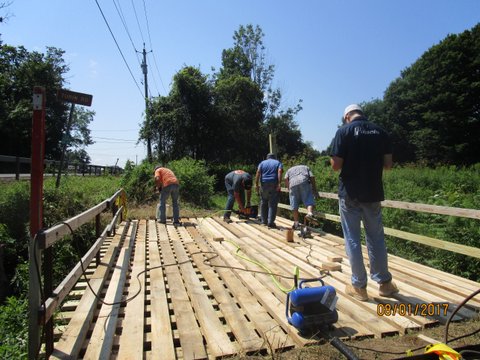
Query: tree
x: 79, y: 136
x: 239, y: 106
x: 20, y: 71
x: 433, y: 109
x: 183, y: 123
x: 247, y: 58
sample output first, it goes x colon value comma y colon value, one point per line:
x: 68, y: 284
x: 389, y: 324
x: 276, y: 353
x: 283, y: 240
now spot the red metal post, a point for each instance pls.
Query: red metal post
x: 36, y: 218
x: 38, y: 155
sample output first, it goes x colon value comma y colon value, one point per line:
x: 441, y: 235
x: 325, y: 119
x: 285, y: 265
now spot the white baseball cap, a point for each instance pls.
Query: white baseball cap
x: 351, y: 107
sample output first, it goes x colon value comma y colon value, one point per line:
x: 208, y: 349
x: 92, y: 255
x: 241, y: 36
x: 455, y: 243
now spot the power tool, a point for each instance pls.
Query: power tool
x: 305, y: 231
x: 311, y: 309
x: 249, y: 212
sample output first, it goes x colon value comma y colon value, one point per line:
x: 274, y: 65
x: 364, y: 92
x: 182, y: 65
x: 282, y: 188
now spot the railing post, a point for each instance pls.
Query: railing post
x: 47, y: 291
x: 17, y: 168
x: 97, y: 235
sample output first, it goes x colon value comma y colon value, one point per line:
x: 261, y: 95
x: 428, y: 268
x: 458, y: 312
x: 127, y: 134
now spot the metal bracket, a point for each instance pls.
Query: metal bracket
x: 37, y: 101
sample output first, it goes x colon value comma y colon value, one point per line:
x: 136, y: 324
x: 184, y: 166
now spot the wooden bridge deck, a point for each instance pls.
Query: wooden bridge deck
x: 176, y: 293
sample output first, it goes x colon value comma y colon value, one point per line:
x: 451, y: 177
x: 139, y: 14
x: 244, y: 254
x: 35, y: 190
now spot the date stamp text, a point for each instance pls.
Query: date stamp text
x: 420, y: 309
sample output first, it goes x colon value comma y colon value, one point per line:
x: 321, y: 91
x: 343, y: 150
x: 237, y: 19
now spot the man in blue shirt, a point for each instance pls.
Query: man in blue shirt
x: 269, y: 174
x: 361, y: 150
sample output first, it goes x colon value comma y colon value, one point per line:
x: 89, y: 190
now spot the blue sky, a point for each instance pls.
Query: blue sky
x: 327, y: 53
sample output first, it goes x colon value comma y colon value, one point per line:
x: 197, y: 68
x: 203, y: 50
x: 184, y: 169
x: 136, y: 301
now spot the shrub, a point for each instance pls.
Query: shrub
x: 14, y: 329
x: 138, y: 183
x: 196, y: 186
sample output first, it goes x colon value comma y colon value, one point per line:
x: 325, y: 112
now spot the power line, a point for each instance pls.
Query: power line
x: 138, y: 22
x: 106, y: 138
x: 118, y: 47
x: 124, y: 22
x: 151, y: 47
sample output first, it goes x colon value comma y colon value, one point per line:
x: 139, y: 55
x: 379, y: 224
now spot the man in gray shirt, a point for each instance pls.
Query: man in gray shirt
x: 300, y: 182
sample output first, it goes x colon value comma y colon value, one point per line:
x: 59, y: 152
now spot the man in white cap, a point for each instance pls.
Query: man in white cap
x: 361, y: 150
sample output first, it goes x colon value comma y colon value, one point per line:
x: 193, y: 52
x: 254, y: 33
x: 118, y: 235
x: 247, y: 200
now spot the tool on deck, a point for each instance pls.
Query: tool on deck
x: 305, y: 228
x: 310, y: 309
x: 249, y: 212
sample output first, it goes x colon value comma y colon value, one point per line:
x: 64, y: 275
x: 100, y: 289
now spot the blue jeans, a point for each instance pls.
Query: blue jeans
x: 351, y: 212
x: 268, y: 206
x: 231, y: 200
x: 170, y: 190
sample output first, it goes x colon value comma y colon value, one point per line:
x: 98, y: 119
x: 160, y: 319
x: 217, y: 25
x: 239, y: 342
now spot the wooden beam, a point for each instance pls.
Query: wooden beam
x: 427, y: 208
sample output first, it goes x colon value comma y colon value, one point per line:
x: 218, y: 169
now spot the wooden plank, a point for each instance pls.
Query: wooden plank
x: 243, y: 330
x: 273, y: 334
x: 70, y: 280
x: 433, y: 209
x: 162, y: 333
x: 275, y: 308
x: 72, y: 339
x: 452, y: 287
x: 212, y: 329
x: 279, y: 265
x: 101, y: 342
x: 191, y: 338
x: 131, y: 344
x: 57, y: 232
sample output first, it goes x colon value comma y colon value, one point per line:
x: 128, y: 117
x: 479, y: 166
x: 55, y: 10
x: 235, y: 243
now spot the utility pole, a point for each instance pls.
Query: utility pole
x: 147, y: 112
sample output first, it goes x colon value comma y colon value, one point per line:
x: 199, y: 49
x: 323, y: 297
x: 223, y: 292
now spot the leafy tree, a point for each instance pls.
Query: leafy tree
x: 247, y: 58
x: 433, y: 109
x: 238, y: 103
x: 20, y: 71
x: 183, y: 123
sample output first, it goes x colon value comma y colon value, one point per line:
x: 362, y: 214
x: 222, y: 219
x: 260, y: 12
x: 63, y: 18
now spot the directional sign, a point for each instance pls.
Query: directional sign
x: 74, y: 97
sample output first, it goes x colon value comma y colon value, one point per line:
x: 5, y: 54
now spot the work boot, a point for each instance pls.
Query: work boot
x: 272, y: 226
x: 388, y: 289
x: 227, y: 220
x: 357, y: 293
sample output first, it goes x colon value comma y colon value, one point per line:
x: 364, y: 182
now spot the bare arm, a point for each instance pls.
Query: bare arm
x: 280, y: 173
x: 257, y: 179
x: 239, y: 201
x: 336, y: 163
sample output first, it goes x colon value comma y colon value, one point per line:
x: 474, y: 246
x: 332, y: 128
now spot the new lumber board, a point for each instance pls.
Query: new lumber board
x: 274, y: 336
x: 218, y: 343
x: 73, y: 337
x: 162, y: 344
x: 243, y: 330
x: 191, y: 338
x: 132, y: 339
x: 101, y: 341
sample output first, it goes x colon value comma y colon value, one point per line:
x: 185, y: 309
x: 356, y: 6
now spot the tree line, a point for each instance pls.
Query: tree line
x: 225, y: 117
x: 432, y: 110
x: 20, y: 71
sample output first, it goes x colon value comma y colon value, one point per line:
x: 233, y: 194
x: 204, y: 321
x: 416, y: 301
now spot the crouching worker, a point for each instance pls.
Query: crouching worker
x: 167, y: 183
x: 237, y: 182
